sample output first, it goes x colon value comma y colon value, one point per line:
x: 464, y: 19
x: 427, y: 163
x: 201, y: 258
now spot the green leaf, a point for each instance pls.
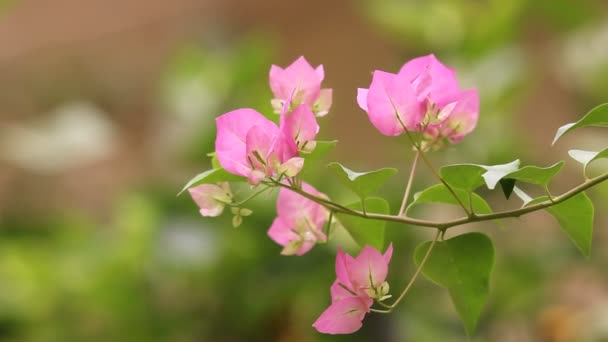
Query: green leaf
x: 575, y: 216
x: 463, y: 176
x: 365, y: 231
x: 598, y: 116
x: 215, y: 163
x: 462, y: 265
x: 362, y: 183
x: 536, y: 175
x: 440, y: 194
x: 212, y: 176
x: 470, y: 176
x: 322, y: 148
x: 587, y: 157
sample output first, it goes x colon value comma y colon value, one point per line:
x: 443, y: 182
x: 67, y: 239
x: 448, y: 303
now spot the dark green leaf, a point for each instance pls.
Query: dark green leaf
x: 365, y: 231
x: 575, y: 216
x: 598, y: 116
x: 462, y: 265
x: 507, y: 185
x: 440, y: 194
x: 362, y: 183
x: 212, y: 176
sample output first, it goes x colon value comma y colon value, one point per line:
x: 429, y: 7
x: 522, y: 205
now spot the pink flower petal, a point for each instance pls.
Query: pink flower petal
x: 392, y: 103
x: 344, y: 316
x: 362, y: 98
x: 463, y: 117
x: 434, y: 79
x: 210, y: 198
x: 324, y: 102
x: 302, y: 125
x: 230, y: 143
x: 369, y: 269
x: 299, y: 76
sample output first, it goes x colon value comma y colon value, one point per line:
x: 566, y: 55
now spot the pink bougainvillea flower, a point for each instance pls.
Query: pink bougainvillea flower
x: 423, y: 96
x: 304, y: 81
x: 302, y: 126
x: 211, y: 198
x: 391, y: 103
x: 299, y: 222
x: 359, y: 281
x: 250, y: 145
x: 458, y: 118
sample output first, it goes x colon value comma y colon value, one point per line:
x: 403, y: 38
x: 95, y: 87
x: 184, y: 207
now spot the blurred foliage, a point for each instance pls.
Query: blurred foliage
x: 153, y: 270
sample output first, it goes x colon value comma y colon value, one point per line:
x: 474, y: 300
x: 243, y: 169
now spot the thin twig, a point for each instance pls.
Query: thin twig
x: 409, y: 184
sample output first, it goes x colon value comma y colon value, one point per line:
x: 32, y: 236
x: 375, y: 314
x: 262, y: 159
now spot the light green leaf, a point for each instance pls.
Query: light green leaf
x: 212, y: 176
x: 440, y: 194
x: 536, y: 175
x: 598, y: 116
x: 575, y: 216
x: 215, y: 163
x: 362, y: 183
x: 365, y: 231
x: 587, y: 157
x: 496, y: 172
x: 463, y: 176
x: 462, y: 265
x: 471, y: 176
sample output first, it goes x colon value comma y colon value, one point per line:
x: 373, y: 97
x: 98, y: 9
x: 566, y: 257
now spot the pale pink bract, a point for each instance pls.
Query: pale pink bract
x: 300, y: 84
x: 423, y: 96
x: 211, y: 198
x: 250, y: 145
x: 299, y: 222
x: 359, y: 281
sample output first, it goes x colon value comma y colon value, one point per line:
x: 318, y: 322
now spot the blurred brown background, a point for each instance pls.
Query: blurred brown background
x: 109, y: 102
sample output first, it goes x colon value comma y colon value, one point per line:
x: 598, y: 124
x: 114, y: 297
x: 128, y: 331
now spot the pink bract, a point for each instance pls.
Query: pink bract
x: 211, y: 198
x: 357, y: 278
x: 302, y: 81
x: 423, y: 96
x: 299, y: 222
x: 250, y: 145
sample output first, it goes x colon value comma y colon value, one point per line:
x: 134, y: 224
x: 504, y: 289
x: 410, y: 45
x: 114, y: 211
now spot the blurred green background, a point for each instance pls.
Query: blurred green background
x: 107, y: 108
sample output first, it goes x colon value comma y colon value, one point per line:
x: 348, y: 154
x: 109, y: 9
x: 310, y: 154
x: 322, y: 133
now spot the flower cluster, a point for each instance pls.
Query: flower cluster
x: 424, y: 96
x: 299, y: 222
x: 359, y: 281
x: 250, y: 145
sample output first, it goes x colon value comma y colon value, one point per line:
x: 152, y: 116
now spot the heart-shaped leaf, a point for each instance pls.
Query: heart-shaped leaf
x: 212, y: 176
x: 575, y: 216
x: 462, y: 265
x: 471, y: 176
x: 587, y: 157
x: 440, y: 194
x: 598, y: 116
x: 535, y: 174
x: 362, y: 183
x: 365, y: 231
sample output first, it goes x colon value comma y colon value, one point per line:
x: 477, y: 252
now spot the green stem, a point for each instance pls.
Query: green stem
x: 409, y: 184
x: 418, y: 271
x: 430, y: 166
x: 456, y: 222
x: 254, y: 195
